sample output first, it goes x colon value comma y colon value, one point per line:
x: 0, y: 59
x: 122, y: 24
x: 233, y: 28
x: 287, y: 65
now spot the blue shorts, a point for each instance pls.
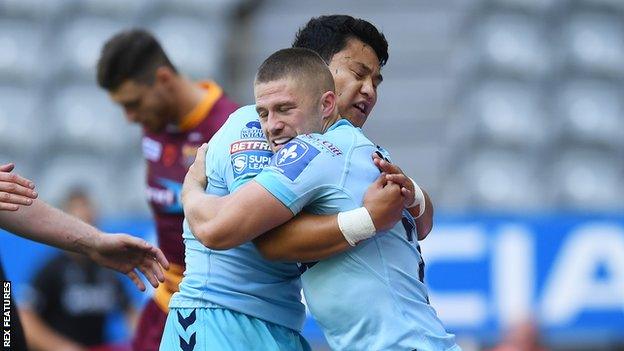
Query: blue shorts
x: 206, y: 329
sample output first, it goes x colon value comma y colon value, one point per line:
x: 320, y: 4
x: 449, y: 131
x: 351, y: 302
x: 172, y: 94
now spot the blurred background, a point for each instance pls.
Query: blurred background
x: 510, y: 113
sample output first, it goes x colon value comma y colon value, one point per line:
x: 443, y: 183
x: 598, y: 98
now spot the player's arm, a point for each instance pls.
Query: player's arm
x: 238, y: 217
x: 14, y: 189
x: 124, y: 253
x: 310, y: 237
x: 424, y: 221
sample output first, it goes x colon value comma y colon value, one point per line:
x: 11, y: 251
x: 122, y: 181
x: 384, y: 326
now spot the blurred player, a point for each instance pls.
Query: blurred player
x: 325, y: 174
x: 177, y: 115
x: 36, y: 220
x: 70, y: 298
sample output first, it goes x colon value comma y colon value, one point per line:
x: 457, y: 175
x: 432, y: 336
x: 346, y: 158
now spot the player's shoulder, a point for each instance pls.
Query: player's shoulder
x: 339, y: 138
x: 242, y: 124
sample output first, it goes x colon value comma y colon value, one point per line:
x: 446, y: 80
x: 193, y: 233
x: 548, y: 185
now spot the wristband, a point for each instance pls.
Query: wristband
x: 356, y: 225
x: 419, y: 199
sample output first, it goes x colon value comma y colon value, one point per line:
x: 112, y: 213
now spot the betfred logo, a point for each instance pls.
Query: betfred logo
x: 251, y: 145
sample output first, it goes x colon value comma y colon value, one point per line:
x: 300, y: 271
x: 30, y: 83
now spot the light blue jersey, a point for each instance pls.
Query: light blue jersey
x: 370, y: 297
x: 239, y: 279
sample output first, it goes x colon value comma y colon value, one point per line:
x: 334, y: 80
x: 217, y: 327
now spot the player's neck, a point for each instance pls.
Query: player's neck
x: 189, y: 96
x: 329, y: 121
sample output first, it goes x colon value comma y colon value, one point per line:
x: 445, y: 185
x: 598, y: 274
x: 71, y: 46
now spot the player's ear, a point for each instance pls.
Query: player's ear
x: 328, y: 103
x: 163, y: 75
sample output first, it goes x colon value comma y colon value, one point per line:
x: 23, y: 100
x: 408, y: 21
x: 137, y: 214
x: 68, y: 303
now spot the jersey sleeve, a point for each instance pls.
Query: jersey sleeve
x: 214, y: 168
x: 238, y: 152
x: 300, y: 173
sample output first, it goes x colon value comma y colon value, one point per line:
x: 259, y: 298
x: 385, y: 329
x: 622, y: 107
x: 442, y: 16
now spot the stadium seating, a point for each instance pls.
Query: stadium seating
x: 195, y: 45
x: 21, y: 47
x: 590, y: 111
x: 22, y: 128
x: 594, y: 42
x: 80, y: 43
x: 588, y: 180
x: 86, y: 119
x: 469, y: 83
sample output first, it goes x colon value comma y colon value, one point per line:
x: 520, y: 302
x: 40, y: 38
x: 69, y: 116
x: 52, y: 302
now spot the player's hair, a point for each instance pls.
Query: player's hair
x: 327, y: 35
x: 132, y: 54
x: 298, y: 63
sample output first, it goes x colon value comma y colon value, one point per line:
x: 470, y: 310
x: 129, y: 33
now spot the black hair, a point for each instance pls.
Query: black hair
x: 327, y: 35
x: 133, y: 54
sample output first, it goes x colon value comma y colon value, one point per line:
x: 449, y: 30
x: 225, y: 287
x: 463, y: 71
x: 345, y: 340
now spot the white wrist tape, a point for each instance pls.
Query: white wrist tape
x: 356, y: 225
x: 419, y: 199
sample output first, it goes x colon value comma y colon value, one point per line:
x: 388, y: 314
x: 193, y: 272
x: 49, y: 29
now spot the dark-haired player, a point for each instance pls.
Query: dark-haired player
x: 177, y: 115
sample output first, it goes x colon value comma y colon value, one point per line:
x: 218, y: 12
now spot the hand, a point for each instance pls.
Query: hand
x: 395, y: 174
x: 197, y: 171
x: 196, y: 175
x: 384, y: 202
x: 125, y: 253
x: 14, y: 190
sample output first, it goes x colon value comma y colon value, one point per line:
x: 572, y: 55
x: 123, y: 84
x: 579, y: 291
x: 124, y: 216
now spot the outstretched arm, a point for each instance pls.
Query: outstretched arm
x: 124, y: 253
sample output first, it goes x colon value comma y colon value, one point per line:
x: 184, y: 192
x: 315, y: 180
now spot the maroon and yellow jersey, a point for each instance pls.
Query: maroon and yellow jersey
x: 169, y: 155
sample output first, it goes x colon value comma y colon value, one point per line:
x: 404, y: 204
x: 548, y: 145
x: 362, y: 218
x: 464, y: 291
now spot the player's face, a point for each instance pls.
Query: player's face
x: 286, y: 109
x: 357, y: 74
x: 143, y: 104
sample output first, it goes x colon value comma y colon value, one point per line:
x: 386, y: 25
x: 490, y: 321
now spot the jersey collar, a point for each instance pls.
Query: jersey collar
x: 340, y: 122
x: 201, y: 111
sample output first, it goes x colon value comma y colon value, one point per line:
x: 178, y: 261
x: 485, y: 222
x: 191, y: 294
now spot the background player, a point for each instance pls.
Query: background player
x: 40, y: 222
x: 177, y: 115
x: 294, y: 95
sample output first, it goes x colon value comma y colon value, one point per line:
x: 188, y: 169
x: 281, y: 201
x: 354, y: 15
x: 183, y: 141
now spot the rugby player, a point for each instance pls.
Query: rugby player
x: 324, y: 174
x: 177, y: 116
x: 34, y: 219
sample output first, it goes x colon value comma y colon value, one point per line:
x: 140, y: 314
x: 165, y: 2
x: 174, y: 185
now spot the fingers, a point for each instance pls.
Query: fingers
x: 12, y: 178
x: 136, y: 280
x: 157, y: 270
x: 200, y: 157
x: 386, y: 166
x: 159, y: 256
x: 406, y: 193
x: 380, y: 182
x: 14, y: 189
x: 8, y: 198
x: 400, y: 179
x: 149, y: 275
x: 154, y: 254
x: 201, y: 151
x: 8, y: 207
x: 7, y: 167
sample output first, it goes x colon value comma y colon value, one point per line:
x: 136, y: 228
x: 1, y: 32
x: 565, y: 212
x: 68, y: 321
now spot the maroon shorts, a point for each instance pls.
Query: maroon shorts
x: 150, y: 328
